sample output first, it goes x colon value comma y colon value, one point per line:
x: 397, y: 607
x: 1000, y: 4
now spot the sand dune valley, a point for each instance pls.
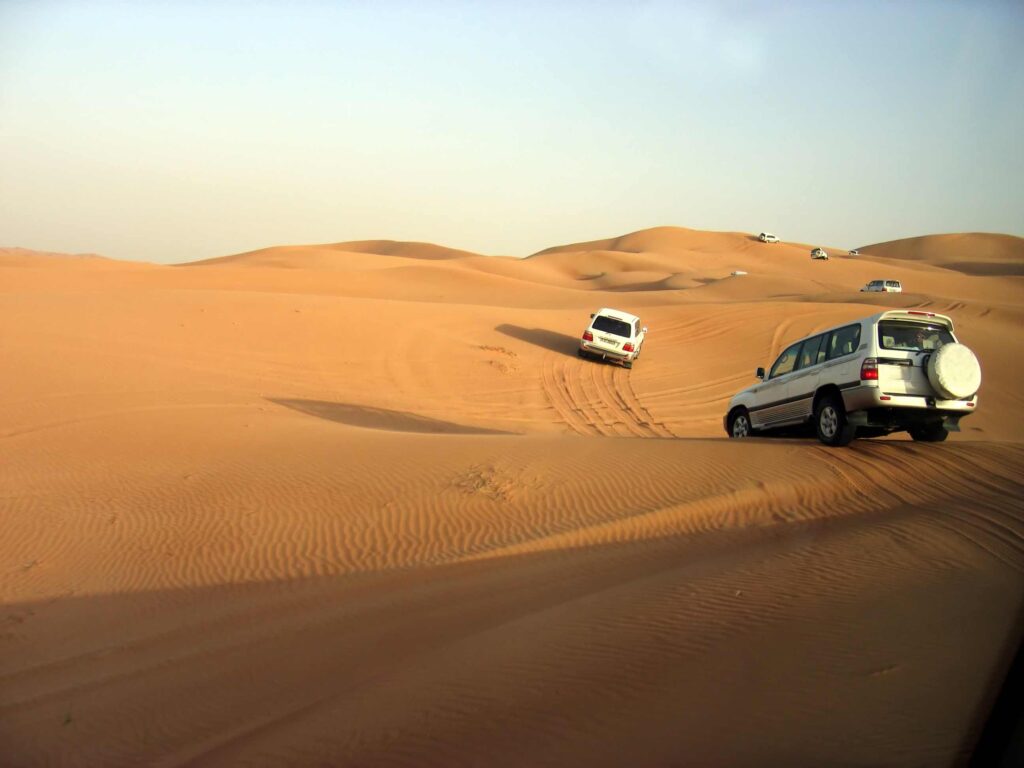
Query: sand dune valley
x: 362, y: 505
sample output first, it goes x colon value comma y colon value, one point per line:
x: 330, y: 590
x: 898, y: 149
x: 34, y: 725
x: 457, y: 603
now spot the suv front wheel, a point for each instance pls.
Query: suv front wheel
x: 739, y: 424
x: 831, y: 423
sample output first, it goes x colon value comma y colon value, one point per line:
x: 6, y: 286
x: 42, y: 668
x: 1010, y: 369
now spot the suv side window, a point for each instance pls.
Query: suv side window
x: 809, y: 352
x: 844, y: 341
x: 826, y: 339
x: 786, y: 362
x: 636, y: 329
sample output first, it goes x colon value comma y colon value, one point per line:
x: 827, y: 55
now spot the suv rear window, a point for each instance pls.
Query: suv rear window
x: 915, y: 337
x: 611, y: 325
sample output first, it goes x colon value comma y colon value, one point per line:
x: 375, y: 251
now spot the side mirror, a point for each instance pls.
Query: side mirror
x: 591, y: 315
x: 644, y: 329
x: 760, y: 373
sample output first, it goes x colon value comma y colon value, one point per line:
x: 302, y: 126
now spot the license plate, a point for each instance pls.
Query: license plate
x: 611, y: 342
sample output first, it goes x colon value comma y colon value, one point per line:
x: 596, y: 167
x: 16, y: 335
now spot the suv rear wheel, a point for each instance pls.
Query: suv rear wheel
x: 831, y: 423
x: 929, y: 433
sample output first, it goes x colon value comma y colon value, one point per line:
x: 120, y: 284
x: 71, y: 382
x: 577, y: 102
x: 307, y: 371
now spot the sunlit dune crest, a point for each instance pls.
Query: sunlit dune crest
x: 362, y: 504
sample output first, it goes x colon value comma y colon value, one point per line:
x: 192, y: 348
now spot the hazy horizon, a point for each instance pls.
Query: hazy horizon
x: 170, y: 133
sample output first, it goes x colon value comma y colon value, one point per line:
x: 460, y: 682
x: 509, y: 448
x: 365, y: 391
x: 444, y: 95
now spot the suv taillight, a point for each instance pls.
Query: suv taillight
x: 869, y: 370
x: 588, y: 336
x: 627, y: 347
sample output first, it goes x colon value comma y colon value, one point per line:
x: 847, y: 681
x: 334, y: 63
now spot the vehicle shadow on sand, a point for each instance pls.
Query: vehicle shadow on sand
x: 381, y: 418
x: 542, y: 337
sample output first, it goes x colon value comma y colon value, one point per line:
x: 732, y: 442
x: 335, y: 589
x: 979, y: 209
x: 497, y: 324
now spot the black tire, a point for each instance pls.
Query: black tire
x: 627, y: 364
x: 739, y: 424
x: 929, y: 433
x: 830, y: 422
x: 580, y: 353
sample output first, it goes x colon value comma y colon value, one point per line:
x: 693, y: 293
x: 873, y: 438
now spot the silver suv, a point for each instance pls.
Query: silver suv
x: 883, y: 286
x: 901, y: 370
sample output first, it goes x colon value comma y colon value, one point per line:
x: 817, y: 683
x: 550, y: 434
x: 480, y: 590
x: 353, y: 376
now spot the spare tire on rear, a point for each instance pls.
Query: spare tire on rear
x: 954, y: 372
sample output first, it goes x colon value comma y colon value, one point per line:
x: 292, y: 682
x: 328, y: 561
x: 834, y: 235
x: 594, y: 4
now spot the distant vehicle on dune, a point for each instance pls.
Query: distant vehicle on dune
x: 853, y: 252
x: 883, y: 286
x: 767, y: 237
x: 613, y: 335
x: 819, y: 253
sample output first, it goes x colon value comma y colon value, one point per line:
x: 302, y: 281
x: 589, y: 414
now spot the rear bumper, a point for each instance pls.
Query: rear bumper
x: 867, y: 405
x: 607, y: 354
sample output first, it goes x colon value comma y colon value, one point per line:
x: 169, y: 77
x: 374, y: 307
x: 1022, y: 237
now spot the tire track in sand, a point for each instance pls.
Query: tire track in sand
x: 598, y: 400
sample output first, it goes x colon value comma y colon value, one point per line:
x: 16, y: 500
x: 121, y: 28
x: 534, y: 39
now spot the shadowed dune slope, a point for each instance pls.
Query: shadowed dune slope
x: 362, y: 504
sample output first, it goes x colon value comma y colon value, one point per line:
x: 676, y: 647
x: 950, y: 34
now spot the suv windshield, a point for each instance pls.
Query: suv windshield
x: 915, y: 337
x: 611, y: 325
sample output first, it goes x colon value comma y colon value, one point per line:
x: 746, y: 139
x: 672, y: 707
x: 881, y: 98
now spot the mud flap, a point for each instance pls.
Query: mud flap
x: 857, y: 418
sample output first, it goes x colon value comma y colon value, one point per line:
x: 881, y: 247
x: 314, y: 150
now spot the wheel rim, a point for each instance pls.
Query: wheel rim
x: 828, y: 421
x: 740, y: 426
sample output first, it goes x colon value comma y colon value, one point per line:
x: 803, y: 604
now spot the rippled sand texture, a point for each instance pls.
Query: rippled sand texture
x: 361, y: 504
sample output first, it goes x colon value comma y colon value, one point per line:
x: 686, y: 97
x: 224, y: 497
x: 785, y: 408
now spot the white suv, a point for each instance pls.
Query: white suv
x: 901, y: 370
x: 767, y: 237
x: 883, y: 286
x: 613, y: 335
x: 819, y: 253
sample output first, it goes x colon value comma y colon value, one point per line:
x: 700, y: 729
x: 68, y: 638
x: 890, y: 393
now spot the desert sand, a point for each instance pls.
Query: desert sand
x: 361, y: 504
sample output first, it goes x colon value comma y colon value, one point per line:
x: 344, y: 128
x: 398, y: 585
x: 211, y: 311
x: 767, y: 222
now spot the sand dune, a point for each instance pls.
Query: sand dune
x: 13, y: 255
x: 971, y: 254
x: 361, y: 504
x: 337, y: 254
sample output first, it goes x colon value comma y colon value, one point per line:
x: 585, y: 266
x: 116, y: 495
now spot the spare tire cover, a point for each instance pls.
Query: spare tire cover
x: 954, y: 371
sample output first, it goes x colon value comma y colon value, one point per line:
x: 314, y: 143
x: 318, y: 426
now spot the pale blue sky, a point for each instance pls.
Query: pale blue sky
x: 174, y: 131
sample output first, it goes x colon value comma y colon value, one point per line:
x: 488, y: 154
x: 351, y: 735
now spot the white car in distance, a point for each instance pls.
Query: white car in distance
x: 613, y: 335
x: 883, y: 286
x: 767, y: 237
x: 819, y: 253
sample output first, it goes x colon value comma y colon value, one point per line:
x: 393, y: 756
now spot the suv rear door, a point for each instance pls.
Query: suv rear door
x: 610, y: 333
x: 904, y: 347
x: 842, y: 363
